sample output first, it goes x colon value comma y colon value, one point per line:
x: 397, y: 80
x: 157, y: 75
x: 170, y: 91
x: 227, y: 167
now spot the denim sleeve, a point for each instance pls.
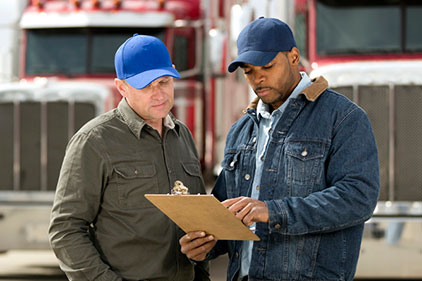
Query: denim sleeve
x: 76, y: 205
x: 352, y: 177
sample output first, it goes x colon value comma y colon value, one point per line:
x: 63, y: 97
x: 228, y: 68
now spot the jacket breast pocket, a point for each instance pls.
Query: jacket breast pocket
x: 231, y: 166
x: 134, y: 180
x: 304, y: 165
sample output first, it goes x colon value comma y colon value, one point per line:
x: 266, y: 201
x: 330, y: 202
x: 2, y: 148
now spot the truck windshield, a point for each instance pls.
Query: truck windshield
x: 368, y: 27
x: 77, y: 51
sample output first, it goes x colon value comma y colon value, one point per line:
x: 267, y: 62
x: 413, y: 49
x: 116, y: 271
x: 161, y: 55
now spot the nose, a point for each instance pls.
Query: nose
x: 157, y: 93
x: 258, y: 77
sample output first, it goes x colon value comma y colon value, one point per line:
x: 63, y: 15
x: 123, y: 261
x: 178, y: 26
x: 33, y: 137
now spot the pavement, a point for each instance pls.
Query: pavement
x: 41, y: 265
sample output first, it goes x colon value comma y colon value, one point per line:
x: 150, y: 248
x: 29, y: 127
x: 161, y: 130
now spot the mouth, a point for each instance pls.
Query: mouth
x: 159, y: 105
x: 262, y: 91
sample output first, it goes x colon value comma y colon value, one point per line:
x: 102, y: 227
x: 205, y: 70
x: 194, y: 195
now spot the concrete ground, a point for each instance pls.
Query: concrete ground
x: 379, y: 259
x: 42, y: 265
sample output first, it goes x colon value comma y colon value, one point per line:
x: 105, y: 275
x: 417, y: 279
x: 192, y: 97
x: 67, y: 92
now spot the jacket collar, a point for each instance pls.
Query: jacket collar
x: 311, y: 93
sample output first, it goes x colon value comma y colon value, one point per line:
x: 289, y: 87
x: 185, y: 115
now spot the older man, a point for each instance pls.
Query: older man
x: 102, y: 227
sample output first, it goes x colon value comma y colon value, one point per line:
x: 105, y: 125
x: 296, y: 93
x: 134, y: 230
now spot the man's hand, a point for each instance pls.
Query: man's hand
x: 196, y: 245
x: 248, y: 210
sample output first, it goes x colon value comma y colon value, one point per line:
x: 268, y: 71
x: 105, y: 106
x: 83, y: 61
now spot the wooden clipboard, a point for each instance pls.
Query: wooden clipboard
x: 202, y: 213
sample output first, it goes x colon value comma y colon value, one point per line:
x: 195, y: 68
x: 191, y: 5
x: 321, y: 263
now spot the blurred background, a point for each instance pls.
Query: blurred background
x: 57, y: 71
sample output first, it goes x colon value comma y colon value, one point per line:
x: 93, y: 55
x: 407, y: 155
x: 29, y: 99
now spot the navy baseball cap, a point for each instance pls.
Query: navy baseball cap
x: 141, y: 59
x: 261, y: 40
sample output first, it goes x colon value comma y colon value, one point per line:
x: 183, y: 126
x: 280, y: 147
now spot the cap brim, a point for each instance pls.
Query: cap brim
x: 143, y: 79
x: 257, y: 58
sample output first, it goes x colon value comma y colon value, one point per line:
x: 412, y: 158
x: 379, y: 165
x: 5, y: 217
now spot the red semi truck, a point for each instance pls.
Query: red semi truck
x: 66, y: 78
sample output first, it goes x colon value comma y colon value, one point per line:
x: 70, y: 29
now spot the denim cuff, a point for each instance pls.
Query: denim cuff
x: 277, y: 216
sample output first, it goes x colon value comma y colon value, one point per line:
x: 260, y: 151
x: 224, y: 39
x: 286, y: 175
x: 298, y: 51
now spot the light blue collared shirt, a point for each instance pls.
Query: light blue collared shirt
x: 267, y: 122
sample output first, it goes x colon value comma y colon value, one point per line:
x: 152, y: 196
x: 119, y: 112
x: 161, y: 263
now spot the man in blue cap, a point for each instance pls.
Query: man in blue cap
x: 102, y: 227
x: 300, y: 169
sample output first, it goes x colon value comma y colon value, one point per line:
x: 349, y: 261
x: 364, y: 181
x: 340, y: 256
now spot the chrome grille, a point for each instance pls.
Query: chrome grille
x: 34, y: 135
x: 396, y: 118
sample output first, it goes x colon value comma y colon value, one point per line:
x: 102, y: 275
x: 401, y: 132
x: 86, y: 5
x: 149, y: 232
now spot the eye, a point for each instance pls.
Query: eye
x: 247, y: 71
x: 164, y: 81
x: 268, y: 66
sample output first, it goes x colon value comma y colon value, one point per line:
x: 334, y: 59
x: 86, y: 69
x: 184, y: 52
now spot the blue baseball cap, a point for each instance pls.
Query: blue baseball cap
x: 141, y: 59
x: 261, y: 40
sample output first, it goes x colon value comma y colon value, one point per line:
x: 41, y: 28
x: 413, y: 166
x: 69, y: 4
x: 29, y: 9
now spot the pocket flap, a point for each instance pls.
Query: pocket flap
x: 305, y: 150
x: 192, y: 168
x: 135, y: 170
x: 230, y: 161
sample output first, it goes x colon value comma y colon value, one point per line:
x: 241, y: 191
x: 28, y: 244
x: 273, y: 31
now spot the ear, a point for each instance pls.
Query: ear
x: 121, y: 87
x: 294, y: 56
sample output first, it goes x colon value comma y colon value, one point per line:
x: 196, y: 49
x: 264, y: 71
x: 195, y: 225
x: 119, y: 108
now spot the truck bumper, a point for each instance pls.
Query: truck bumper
x: 24, y: 220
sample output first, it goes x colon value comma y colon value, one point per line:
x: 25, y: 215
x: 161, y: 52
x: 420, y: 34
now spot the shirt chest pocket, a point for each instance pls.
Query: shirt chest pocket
x: 134, y: 180
x: 191, y: 177
x: 304, y: 165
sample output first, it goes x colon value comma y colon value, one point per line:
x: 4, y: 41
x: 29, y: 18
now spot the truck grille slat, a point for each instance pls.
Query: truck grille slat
x: 408, y: 135
x: 30, y: 145
x: 6, y: 146
x: 57, y: 139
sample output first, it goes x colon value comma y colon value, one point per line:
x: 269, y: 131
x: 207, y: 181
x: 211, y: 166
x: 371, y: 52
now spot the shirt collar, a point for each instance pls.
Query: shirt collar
x: 263, y: 109
x: 135, y: 122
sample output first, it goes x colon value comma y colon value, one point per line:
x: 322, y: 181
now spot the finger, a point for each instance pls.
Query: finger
x: 248, y: 219
x: 240, y: 205
x: 188, y: 237
x: 257, y: 213
x: 227, y: 203
x: 201, y: 252
x: 240, y: 214
x: 187, y: 247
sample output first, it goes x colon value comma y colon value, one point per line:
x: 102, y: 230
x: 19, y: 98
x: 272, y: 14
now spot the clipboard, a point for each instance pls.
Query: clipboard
x: 202, y: 213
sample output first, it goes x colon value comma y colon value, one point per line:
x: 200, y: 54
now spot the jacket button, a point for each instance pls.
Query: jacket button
x: 136, y: 172
x: 254, y: 139
x: 277, y: 226
x: 247, y: 177
x: 232, y: 164
x: 257, y: 187
x: 236, y: 255
x: 304, y: 153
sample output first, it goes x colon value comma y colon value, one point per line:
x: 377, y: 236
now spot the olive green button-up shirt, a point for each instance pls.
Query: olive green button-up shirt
x: 102, y: 227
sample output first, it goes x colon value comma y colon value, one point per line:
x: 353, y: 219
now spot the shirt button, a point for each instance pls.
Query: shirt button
x: 232, y: 164
x: 257, y: 187
x: 304, y: 153
x: 277, y: 226
x: 254, y: 139
x: 247, y: 177
x: 136, y: 172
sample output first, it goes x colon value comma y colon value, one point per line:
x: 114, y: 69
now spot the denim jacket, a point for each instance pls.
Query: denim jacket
x: 320, y: 183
